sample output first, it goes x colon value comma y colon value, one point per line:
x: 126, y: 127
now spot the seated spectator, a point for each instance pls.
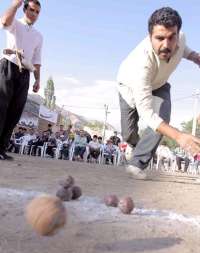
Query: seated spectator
x: 51, y: 145
x: 41, y: 138
x: 30, y: 136
x: 24, y: 131
x: 122, y: 149
x: 62, y: 131
x: 19, y: 133
x: 196, y: 161
x: 18, y: 139
x: 115, y: 139
x: 164, y: 155
x: 94, y: 148
x: 69, y: 130
x: 11, y: 145
x: 109, y: 152
x: 71, y: 136
x: 123, y: 146
x: 24, y: 139
x: 49, y: 129
x: 100, y: 140
x: 80, y: 143
x: 32, y: 142
x: 66, y: 145
x: 28, y: 139
x: 88, y: 136
x: 181, y: 156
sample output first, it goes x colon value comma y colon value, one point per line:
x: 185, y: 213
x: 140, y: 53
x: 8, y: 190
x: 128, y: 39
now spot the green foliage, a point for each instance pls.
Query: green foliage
x: 50, y: 99
x: 187, y: 127
x: 50, y: 84
x: 169, y: 143
x: 94, y: 125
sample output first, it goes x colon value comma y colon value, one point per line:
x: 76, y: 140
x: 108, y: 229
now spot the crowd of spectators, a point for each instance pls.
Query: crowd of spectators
x: 63, y: 143
x: 177, y: 159
x: 79, y: 145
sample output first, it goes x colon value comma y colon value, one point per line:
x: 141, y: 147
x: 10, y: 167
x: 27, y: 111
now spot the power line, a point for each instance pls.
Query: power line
x: 117, y: 108
x: 92, y: 107
x: 182, y: 98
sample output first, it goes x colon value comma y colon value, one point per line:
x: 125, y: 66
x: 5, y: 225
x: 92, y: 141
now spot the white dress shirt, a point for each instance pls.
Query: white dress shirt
x: 20, y: 35
x: 141, y: 72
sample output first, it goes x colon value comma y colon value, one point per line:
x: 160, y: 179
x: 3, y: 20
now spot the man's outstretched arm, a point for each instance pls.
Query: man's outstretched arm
x: 188, y: 142
x: 8, y: 16
x: 194, y: 57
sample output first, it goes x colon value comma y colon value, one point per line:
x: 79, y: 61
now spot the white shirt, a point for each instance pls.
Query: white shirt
x: 164, y: 151
x: 141, y: 72
x: 20, y: 35
x: 28, y: 137
x: 94, y: 144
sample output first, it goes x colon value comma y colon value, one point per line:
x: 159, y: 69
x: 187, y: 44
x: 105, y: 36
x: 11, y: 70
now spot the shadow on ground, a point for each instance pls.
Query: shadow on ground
x: 139, y: 245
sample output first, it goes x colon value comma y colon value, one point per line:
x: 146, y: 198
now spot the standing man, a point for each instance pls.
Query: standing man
x: 144, y: 91
x: 115, y: 139
x: 182, y: 156
x: 22, y: 55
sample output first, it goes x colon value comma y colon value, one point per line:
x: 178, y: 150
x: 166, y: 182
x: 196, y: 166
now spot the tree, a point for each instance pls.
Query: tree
x: 94, y: 125
x: 169, y: 142
x: 187, y: 127
x: 50, y: 99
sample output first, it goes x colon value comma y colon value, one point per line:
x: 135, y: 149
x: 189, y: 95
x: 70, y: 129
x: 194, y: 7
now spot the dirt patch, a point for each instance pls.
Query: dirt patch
x: 166, y: 217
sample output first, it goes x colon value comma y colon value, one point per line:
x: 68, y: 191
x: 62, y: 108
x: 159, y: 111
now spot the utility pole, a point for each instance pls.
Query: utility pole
x: 195, y: 108
x: 105, y: 121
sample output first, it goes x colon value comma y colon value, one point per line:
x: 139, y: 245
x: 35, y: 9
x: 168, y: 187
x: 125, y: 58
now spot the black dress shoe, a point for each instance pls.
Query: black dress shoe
x: 4, y: 156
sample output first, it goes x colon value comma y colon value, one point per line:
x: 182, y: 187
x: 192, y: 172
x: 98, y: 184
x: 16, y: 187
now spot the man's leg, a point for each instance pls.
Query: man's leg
x: 129, y: 126
x: 187, y: 162
x: 178, y: 162
x: 6, y: 93
x: 129, y: 122
x: 20, y: 82
x: 161, y: 162
x: 147, y: 145
x: 82, y: 151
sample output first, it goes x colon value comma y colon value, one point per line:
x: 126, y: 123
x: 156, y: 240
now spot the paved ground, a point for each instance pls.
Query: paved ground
x: 166, y: 218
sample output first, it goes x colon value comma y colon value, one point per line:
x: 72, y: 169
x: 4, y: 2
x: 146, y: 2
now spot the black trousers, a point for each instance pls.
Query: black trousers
x: 180, y: 159
x: 13, y: 94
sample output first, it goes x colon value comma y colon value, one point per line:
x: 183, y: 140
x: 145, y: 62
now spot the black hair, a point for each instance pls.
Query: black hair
x: 26, y: 3
x: 165, y: 16
x: 95, y: 136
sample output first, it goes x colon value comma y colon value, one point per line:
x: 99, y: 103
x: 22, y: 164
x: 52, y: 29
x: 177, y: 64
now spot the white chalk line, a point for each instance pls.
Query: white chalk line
x: 92, y: 209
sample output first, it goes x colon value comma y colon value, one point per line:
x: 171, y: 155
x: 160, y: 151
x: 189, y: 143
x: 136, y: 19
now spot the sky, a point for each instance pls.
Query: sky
x: 86, y: 41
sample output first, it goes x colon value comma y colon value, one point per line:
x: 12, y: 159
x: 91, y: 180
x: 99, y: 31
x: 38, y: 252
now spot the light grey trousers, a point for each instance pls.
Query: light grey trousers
x: 145, y: 147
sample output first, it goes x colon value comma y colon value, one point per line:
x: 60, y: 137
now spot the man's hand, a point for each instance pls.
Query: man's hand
x: 17, y: 3
x: 36, y: 86
x: 189, y: 143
